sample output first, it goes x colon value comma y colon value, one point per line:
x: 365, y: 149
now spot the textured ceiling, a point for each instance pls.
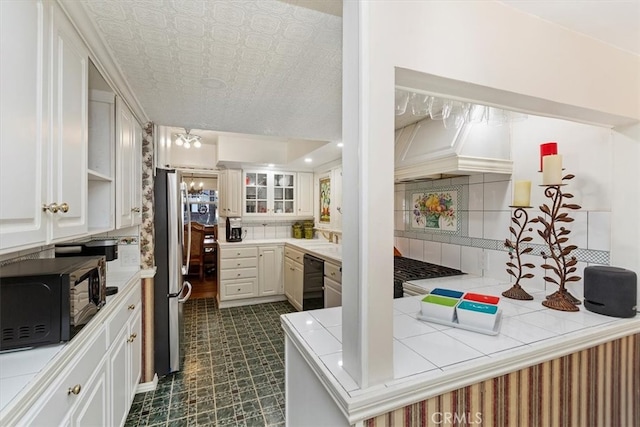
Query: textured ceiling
x: 261, y: 67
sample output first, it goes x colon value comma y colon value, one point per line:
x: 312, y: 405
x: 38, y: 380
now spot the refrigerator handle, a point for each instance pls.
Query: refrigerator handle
x: 186, y: 297
x: 185, y: 197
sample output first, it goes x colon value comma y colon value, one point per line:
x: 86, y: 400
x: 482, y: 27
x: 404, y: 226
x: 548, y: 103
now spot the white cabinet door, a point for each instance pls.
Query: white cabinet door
x: 118, y: 378
x: 126, y: 210
x: 23, y: 113
x: 92, y: 409
x: 336, y: 199
x: 135, y: 353
x: 304, y: 196
x: 332, y: 293
x: 270, y: 270
x: 136, y: 174
x: 234, y: 192
x: 69, y: 130
x: 293, y: 277
x: 230, y: 192
x: 270, y: 193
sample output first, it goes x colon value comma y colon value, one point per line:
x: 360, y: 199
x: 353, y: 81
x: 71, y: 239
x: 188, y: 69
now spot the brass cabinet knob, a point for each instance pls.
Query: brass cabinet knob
x: 131, y: 306
x: 136, y: 210
x: 75, y: 389
x: 333, y: 273
x: 131, y: 337
x: 54, y: 207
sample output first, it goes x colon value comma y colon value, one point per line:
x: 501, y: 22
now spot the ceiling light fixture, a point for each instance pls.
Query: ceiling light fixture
x: 308, y: 160
x: 340, y: 144
x: 193, y: 189
x: 186, y: 139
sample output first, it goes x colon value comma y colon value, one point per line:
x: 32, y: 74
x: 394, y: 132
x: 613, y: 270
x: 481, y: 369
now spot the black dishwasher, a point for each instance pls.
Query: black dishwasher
x: 313, y: 283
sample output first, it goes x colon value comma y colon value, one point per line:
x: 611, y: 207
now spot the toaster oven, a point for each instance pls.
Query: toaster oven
x: 47, y: 301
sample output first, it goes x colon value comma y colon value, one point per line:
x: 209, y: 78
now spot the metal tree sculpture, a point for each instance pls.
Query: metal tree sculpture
x: 516, y: 291
x: 558, y: 260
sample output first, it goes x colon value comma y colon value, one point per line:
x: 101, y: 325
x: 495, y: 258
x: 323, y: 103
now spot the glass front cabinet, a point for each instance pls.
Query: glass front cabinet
x: 269, y: 193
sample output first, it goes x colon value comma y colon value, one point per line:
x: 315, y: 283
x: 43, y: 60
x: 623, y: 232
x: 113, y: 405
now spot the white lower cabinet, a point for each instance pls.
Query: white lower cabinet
x: 238, y: 272
x: 94, y: 384
x: 125, y: 354
x: 332, y: 285
x: 270, y: 270
x: 293, y: 277
x: 250, y: 274
x: 75, y: 387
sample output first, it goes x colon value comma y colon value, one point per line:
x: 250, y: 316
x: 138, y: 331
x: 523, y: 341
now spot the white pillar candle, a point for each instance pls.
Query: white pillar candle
x: 552, y: 170
x: 522, y: 193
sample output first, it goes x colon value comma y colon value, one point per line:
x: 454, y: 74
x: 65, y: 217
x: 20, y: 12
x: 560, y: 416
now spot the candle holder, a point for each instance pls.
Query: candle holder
x: 516, y: 291
x: 558, y: 260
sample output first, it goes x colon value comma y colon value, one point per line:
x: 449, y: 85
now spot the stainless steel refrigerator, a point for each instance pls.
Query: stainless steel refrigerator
x: 170, y: 289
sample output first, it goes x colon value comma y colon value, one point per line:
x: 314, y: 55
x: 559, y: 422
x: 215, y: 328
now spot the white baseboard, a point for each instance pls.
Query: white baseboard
x: 250, y: 301
x: 148, y: 386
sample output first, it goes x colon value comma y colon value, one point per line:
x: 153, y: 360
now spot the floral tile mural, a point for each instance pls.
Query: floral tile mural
x: 435, y: 210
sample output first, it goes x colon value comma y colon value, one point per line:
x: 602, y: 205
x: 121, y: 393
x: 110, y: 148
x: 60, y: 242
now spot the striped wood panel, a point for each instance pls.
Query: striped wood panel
x: 599, y: 386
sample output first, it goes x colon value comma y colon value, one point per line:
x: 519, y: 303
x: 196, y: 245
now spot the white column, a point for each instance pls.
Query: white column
x: 367, y: 263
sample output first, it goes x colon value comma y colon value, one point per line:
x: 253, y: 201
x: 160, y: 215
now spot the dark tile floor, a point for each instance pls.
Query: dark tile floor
x: 233, y: 371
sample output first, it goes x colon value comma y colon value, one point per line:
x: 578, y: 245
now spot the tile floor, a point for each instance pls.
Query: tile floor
x: 233, y: 371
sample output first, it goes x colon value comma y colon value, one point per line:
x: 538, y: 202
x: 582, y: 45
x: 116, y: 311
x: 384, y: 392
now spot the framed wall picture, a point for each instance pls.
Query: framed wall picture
x: 325, y: 200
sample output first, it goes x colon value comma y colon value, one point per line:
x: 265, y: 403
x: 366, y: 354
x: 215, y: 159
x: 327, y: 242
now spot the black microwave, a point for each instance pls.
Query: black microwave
x: 47, y: 301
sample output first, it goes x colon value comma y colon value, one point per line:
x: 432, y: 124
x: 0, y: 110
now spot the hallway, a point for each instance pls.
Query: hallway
x: 233, y: 372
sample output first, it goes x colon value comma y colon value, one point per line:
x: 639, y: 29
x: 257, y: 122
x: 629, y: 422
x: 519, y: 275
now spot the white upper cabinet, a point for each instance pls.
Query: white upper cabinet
x: 43, y: 145
x: 69, y: 130
x: 230, y: 192
x: 128, y: 167
x: 269, y: 193
x: 23, y: 114
x: 304, y: 196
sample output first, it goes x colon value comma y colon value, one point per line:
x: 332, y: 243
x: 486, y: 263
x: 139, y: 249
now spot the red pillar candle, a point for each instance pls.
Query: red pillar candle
x: 546, y: 149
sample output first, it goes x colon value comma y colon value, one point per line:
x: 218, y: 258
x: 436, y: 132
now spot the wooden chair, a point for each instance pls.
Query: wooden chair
x: 197, y: 248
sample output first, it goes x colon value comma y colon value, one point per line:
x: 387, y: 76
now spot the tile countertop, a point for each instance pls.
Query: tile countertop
x: 18, y: 368
x: 430, y: 359
x: 317, y: 247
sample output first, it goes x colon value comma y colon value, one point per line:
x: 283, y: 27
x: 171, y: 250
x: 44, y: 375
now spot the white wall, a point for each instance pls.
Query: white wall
x: 495, y: 47
x: 171, y: 155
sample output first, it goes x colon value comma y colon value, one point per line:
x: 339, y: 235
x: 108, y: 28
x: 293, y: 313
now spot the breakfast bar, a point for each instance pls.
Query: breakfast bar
x: 542, y: 367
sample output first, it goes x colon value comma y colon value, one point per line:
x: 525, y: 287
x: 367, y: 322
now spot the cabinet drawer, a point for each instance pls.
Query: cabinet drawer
x: 237, y: 289
x: 238, y: 252
x: 333, y: 272
x: 231, y: 263
x: 238, y: 273
x: 57, y: 400
x: 293, y: 254
x: 123, y: 313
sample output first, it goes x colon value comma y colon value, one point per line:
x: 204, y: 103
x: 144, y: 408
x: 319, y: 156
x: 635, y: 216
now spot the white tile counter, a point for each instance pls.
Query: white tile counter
x: 430, y: 359
x: 19, y: 368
